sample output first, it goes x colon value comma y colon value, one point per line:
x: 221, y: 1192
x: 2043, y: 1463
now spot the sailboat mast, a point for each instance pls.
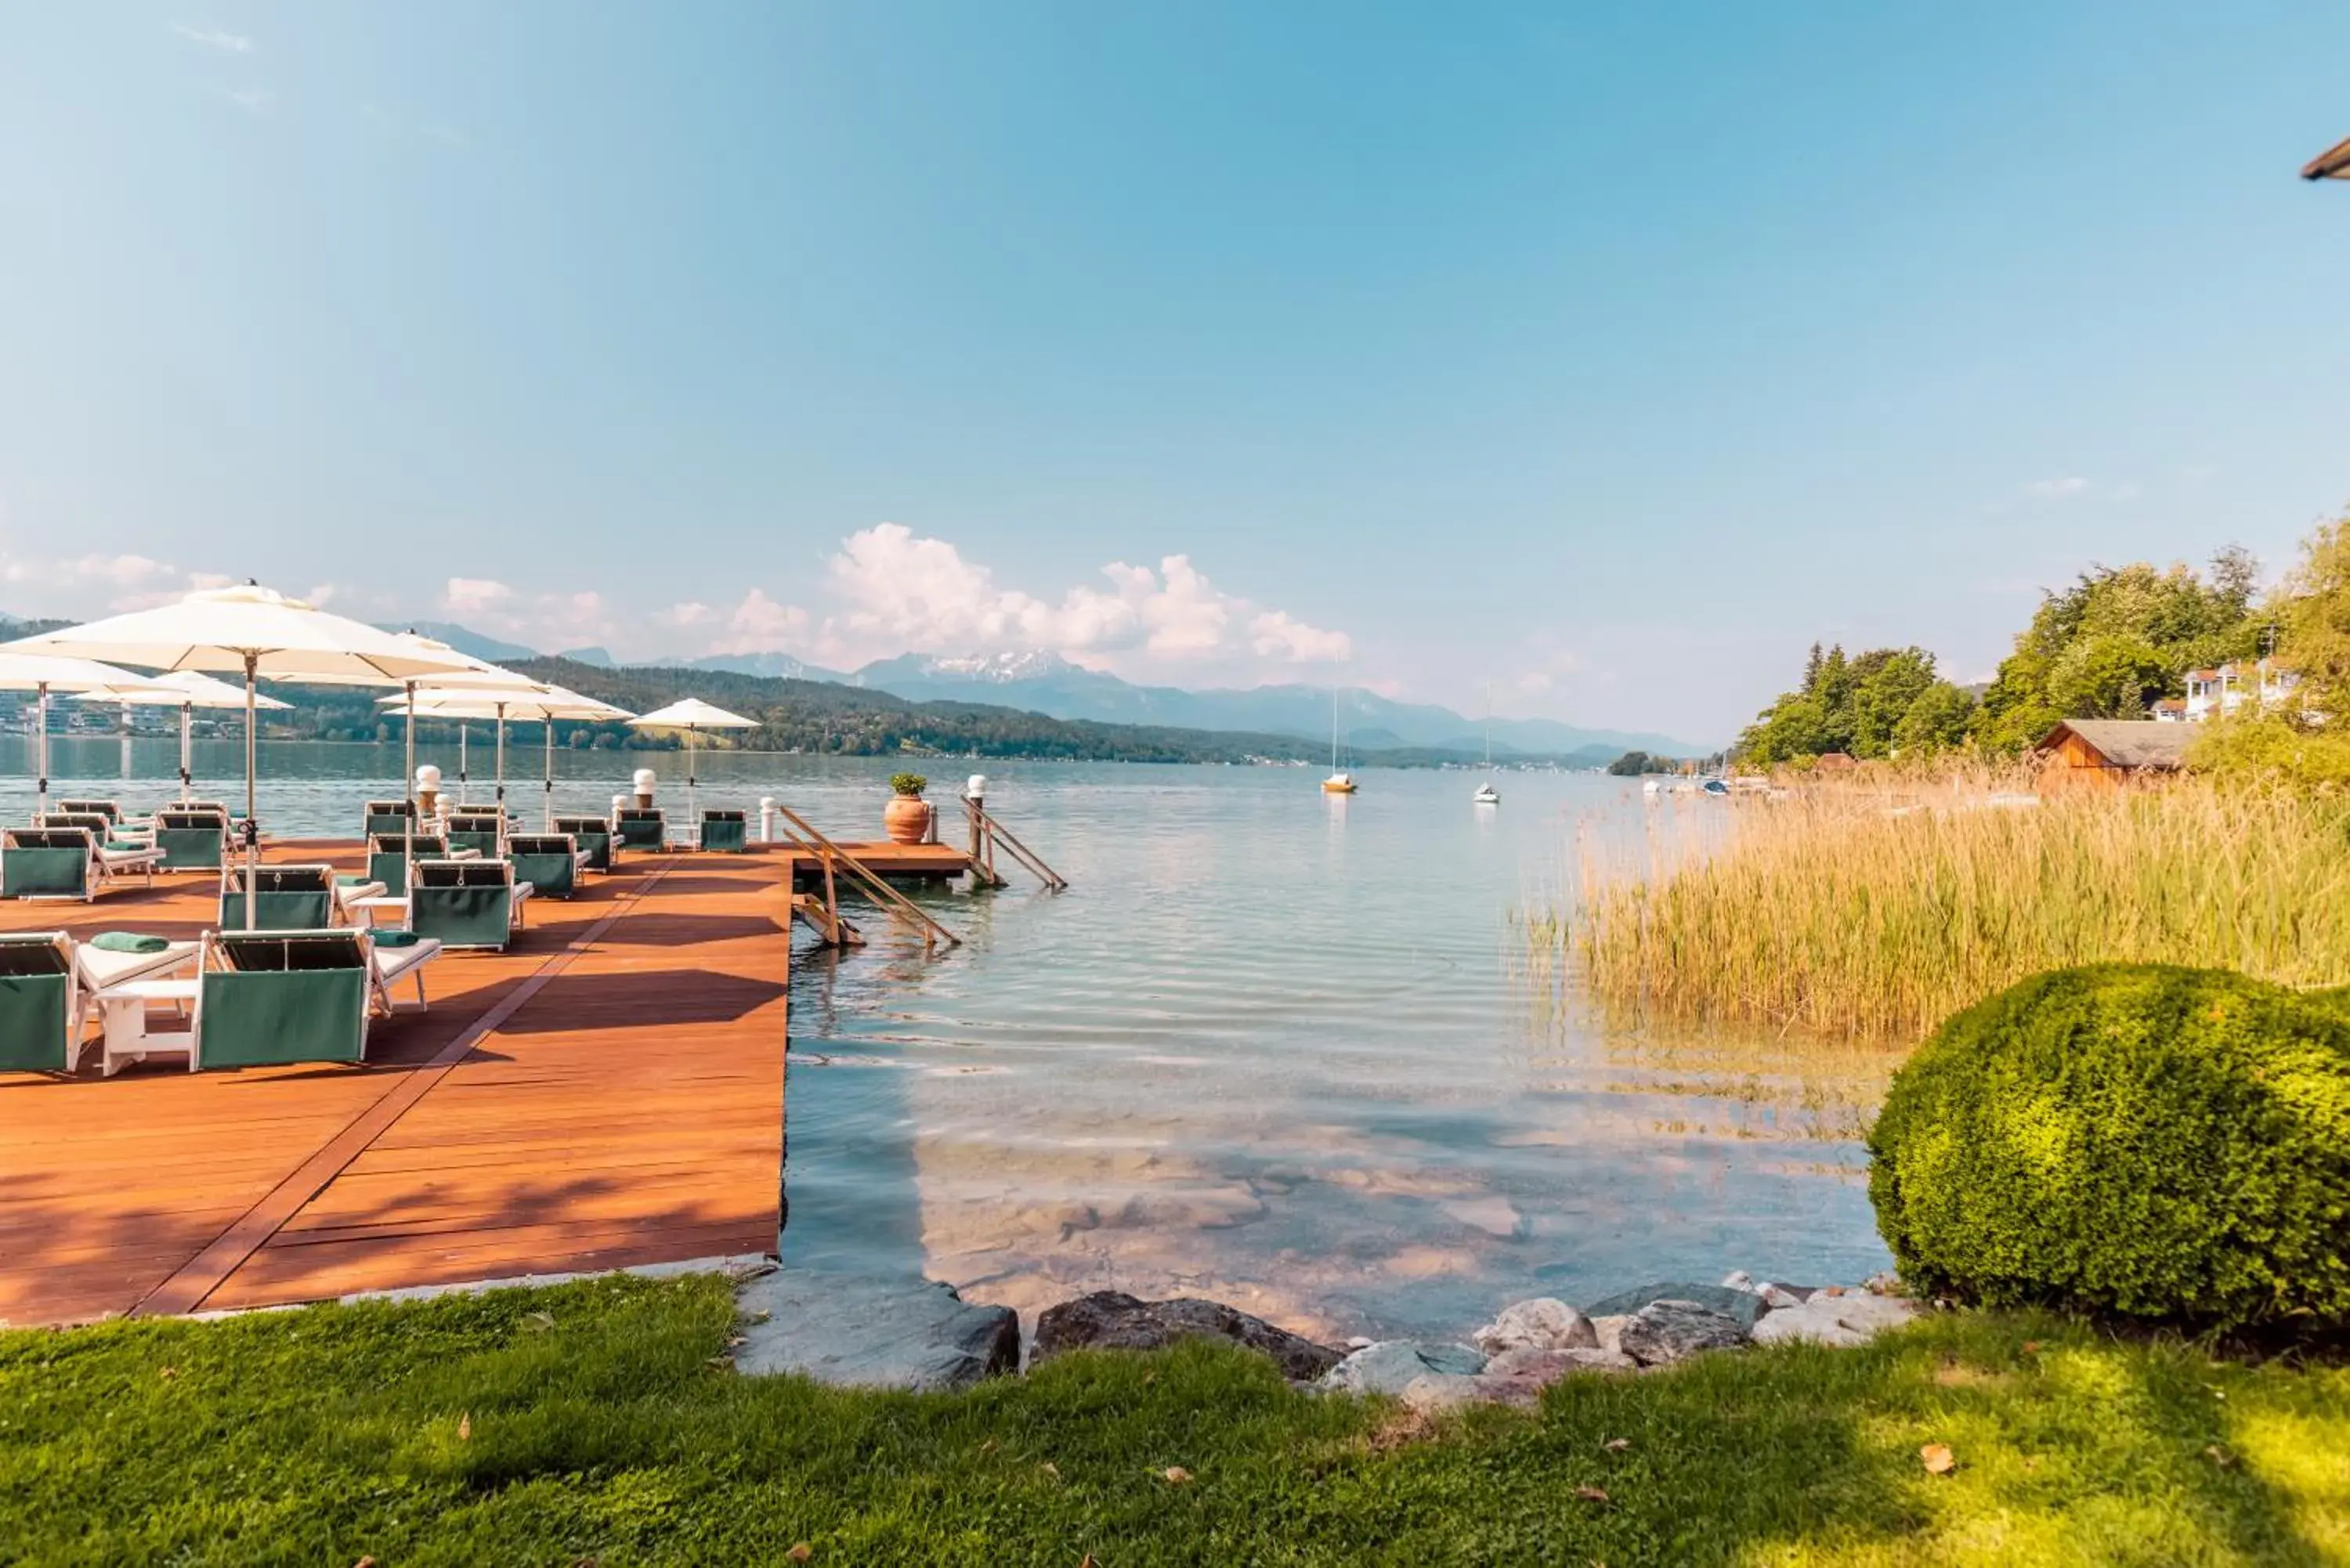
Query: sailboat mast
x: 1333, y: 729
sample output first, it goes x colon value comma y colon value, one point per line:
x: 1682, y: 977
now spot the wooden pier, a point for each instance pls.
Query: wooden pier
x: 609, y: 1092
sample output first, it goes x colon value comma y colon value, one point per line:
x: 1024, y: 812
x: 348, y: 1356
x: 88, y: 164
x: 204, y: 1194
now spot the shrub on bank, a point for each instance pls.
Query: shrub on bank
x: 2138, y: 1139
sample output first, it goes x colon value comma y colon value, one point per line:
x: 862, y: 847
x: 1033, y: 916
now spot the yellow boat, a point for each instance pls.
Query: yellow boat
x: 1339, y: 782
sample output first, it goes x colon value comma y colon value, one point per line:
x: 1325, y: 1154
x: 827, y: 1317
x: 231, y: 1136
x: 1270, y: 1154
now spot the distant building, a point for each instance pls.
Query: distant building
x: 2224, y: 691
x: 1835, y: 762
x: 2111, y: 751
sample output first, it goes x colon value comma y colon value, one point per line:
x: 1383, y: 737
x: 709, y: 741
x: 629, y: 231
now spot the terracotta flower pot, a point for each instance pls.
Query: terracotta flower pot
x: 907, y: 819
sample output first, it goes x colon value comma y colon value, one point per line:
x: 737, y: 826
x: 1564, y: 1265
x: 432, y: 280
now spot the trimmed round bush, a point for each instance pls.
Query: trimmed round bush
x: 2135, y: 1139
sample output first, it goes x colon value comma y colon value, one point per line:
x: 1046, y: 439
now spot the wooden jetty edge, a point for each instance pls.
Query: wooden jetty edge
x: 606, y: 1094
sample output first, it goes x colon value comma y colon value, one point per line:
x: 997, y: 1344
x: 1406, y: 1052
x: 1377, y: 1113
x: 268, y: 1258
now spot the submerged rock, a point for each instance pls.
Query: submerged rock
x: 1388, y: 1366
x: 1663, y: 1332
x: 1842, y: 1319
x: 866, y: 1332
x: 1542, y: 1324
x: 1112, y: 1320
x: 1741, y: 1306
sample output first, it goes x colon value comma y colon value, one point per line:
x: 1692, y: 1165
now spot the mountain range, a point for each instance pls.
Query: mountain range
x: 1043, y: 682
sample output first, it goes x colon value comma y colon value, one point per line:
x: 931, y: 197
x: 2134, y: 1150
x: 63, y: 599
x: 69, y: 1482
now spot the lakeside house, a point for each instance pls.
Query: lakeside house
x: 2222, y: 692
x: 2110, y: 751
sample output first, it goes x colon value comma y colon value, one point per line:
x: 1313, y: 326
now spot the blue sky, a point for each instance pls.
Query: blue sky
x: 1610, y: 355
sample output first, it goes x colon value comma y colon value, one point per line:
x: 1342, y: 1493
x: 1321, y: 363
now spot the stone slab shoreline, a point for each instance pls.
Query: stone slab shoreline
x: 911, y: 1334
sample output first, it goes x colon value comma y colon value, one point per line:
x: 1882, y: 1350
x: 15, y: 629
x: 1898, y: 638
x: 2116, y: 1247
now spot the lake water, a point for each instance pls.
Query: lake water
x: 1283, y: 1050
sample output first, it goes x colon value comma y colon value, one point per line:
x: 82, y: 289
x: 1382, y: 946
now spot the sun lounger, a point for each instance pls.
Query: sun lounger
x: 69, y: 862
x: 467, y: 903
x: 726, y: 831
x: 482, y: 831
x: 284, y: 899
x: 39, y: 1002
x: 41, y: 971
x: 387, y: 816
x: 640, y: 828
x: 191, y: 838
x: 389, y: 855
x: 267, y: 998
x: 112, y: 811
x: 550, y: 862
x: 595, y: 839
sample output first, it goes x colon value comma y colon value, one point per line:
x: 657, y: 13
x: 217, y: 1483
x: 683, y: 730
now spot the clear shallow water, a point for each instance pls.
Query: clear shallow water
x: 1273, y: 1047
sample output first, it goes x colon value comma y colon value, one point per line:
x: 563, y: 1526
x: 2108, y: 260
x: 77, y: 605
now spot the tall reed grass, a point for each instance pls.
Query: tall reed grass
x: 1873, y: 911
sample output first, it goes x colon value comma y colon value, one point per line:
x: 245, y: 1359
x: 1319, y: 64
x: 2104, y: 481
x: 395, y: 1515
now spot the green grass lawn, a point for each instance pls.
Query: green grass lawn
x: 597, y: 1421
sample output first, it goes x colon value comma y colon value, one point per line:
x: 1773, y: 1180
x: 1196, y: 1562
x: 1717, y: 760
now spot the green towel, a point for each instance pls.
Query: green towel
x: 395, y: 938
x: 128, y: 942
x: 119, y: 844
x: 342, y: 881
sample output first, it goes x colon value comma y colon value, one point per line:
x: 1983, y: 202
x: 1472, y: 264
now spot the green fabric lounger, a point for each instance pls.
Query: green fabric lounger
x: 284, y: 899
x: 38, y: 1006
x: 482, y: 832
x: 387, y: 817
x: 594, y: 834
x: 549, y: 862
x: 189, y: 839
x: 387, y: 858
x: 467, y: 903
x: 45, y: 863
x: 270, y: 998
x: 725, y: 832
x: 641, y: 828
x: 110, y: 810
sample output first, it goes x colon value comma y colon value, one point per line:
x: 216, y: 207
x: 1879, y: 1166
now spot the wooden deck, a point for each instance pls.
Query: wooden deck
x: 884, y: 858
x: 609, y: 1092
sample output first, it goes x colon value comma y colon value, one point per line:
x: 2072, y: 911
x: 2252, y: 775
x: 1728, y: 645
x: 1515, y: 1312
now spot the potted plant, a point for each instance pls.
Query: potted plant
x: 907, y: 817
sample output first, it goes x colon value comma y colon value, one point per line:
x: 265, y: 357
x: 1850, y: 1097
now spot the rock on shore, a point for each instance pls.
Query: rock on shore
x: 1112, y: 1320
x: 867, y: 1332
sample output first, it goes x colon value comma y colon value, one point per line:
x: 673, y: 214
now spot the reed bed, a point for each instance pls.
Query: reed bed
x: 1870, y: 910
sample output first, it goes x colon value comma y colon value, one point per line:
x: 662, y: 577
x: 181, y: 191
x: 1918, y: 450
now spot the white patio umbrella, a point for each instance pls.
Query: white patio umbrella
x: 692, y: 715
x: 38, y: 670
x: 187, y: 691
x: 253, y: 632
x: 469, y: 671
x: 544, y: 703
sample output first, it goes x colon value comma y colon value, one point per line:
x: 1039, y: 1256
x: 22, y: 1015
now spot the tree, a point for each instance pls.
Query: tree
x: 2313, y: 618
x: 1887, y: 682
x: 2114, y: 676
x: 1938, y: 720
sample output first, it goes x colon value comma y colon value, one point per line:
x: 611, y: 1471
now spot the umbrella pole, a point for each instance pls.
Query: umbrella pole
x: 187, y: 750
x: 501, y: 759
x: 462, y: 788
x: 41, y: 756
x: 251, y: 828
x: 693, y: 820
x: 408, y: 826
x: 546, y: 807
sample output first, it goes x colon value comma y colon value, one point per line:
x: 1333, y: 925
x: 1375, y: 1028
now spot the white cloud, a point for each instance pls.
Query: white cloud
x: 899, y: 593
x: 2056, y: 489
x: 1278, y: 634
x: 253, y: 100
x: 550, y: 622
x: 476, y: 595
x: 215, y: 39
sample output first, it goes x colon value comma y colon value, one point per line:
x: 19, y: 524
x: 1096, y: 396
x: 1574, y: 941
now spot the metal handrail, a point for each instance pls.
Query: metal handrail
x: 827, y: 852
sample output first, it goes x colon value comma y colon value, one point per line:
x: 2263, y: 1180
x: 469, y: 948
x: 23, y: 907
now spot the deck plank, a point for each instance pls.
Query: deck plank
x: 608, y: 1092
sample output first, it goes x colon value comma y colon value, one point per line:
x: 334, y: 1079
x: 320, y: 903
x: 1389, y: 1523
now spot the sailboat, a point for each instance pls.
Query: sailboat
x: 1339, y: 782
x: 1486, y: 794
